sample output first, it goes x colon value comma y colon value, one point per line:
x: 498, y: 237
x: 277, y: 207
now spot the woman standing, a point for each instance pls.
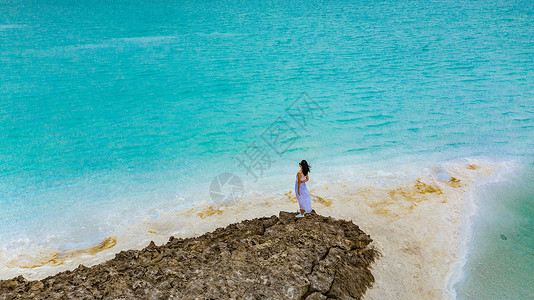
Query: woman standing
x: 303, y: 195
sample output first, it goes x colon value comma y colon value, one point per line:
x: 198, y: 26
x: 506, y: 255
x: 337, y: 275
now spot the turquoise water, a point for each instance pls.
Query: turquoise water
x: 111, y: 110
x: 501, y: 260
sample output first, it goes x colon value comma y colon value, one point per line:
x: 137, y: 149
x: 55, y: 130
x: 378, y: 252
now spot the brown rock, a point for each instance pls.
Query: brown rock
x: 316, y: 296
x: 312, y: 258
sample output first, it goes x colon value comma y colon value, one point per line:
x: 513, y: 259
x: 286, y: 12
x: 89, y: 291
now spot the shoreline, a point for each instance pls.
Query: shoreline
x: 473, y: 200
x: 396, y: 215
x: 447, y: 269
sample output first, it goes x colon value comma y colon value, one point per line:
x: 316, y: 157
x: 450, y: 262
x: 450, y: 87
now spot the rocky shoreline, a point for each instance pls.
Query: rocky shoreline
x: 282, y: 257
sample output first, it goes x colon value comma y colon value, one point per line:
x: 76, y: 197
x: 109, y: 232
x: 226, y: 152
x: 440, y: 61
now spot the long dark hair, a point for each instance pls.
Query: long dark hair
x: 305, y: 167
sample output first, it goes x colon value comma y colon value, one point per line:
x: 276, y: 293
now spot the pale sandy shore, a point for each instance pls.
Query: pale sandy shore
x: 418, y: 226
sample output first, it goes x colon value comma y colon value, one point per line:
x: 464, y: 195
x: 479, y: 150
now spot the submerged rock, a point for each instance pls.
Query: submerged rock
x: 283, y: 257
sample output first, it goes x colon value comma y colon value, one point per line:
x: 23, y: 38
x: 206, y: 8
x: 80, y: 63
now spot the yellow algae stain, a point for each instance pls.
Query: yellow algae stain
x: 208, y: 211
x: 382, y: 211
x: 387, y: 212
x: 56, y: 258
x: 326, y: 202
x: 108, y: 243
x: 415, y: 193
x: 290, y: 196
x: 423, y: 188
x: 455, y: 182
x: 377, y: 204
x: 384, y: 208
x: 472, y: 167
x: 50, y: 258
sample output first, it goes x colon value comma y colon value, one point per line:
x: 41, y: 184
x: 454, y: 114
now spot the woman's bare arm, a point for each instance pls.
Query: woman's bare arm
x: 298, y: 186
x: 307, y: 178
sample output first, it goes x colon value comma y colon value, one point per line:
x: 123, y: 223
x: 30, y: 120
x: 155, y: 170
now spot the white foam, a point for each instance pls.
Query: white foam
x: 146, y: 39
x: 11, y: 26
x: 140, y: 41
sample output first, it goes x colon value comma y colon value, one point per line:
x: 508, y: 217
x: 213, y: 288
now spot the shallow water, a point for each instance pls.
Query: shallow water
x: 500, y: 262
x: 114, y: 113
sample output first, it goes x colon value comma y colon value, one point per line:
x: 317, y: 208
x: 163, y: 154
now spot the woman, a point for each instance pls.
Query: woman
x: 303, y: 195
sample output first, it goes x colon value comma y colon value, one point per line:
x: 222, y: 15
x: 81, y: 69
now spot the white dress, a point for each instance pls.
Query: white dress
x: 304, y: 198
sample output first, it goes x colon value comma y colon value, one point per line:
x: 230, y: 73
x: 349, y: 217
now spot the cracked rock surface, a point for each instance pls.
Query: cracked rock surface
x: 283, y: 257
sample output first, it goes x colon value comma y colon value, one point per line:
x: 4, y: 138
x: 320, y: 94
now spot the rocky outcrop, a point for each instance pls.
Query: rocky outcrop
x: 283, y: 257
